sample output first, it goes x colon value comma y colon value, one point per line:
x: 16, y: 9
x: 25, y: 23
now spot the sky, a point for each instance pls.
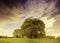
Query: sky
x: 14, y: 12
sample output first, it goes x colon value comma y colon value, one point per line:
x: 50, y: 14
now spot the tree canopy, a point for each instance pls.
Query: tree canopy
x: 33, y: 28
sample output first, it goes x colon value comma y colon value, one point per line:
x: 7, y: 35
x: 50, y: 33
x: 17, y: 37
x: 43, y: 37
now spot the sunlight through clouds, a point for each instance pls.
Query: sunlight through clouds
x: 13, y: 17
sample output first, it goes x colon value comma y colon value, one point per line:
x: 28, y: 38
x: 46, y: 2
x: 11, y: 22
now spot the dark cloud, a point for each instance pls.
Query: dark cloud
x: 23, y: 2
x: 13, y: 3
x: 47, y: 1
x: 9, y: 3
x: 5, y: 13
x: 55, y: 13
x: 57, y: 9
x: 7, y: 6
x: 58, y: 4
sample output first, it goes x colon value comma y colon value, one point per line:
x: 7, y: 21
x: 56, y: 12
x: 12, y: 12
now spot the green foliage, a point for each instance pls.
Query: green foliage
x: 31, y: 28
x: 50, y: 37
x: 58, y: 38
x: 16, y: 33
x: 37, y: 23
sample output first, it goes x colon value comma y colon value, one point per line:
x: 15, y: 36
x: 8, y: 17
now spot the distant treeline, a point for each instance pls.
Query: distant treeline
x: 5, y: 37
x: 50, y: 37
x: 53, y: 37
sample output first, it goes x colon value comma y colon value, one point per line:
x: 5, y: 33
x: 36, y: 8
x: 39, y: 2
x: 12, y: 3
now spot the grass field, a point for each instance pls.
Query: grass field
x: 21, y: 40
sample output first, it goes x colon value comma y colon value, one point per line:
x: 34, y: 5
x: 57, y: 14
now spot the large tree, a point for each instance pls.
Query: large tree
x: 33, y: 28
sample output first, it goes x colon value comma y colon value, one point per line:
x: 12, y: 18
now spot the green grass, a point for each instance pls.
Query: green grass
x: 21, y: 40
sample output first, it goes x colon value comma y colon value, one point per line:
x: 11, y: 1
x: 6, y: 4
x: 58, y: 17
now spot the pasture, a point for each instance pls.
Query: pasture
x: 25, y: 40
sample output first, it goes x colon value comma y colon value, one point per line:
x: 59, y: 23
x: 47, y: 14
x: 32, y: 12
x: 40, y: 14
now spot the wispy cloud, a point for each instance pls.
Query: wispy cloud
x: 13, y: 13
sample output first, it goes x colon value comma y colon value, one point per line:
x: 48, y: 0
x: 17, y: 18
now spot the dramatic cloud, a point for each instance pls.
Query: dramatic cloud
x: 58, y: 4
x: 7, y: 8
x: 14, y: 12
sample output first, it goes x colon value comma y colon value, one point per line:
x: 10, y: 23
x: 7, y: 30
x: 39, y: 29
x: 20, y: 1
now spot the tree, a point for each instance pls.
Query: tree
x: 33, y: 28
x: 16, y: 33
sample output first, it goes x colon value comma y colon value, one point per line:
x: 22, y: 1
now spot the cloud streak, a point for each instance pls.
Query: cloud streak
x: 14, y: 12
